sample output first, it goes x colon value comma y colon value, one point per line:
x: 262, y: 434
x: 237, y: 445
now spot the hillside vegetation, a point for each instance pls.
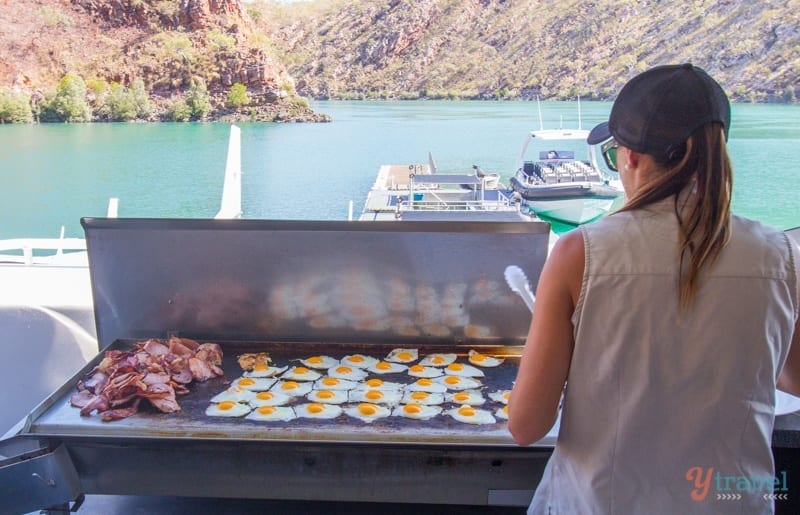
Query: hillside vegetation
x: 513, y: 49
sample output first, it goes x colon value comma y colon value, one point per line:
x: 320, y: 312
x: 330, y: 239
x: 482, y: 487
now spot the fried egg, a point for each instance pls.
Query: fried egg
x: 301, y: 374
x: 425, y: 384
x: 359, y: 360
x: 500, y: 396
x: 328, y: 396
x: 387, y: 367
x: 292, y: 388
x: 420, y: 397
x: 437, y: 360
x: 458, y: 383
x: 367, y: 411
x: 264, y: 370
x: 227, y: 409
x: 402, y: 355
x: 471, y: 415
x: 334, y: 383
x: 272, y: 414
x: 318, y: 410
x: 423, y: 371
x: 470, y: 397
x: 347, y: 372
x: 324, y: 362
x: 378, y: 384
x: 482, y: 360
x: 234, y: 394
x: 502, y: 413
x: 391, y: 397
x: 256, y: 384
x: 417, y: 411
x: 460, y: 369
x: 271, y: 398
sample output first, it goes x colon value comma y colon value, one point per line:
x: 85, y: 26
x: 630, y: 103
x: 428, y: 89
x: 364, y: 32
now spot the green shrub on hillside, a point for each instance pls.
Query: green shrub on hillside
x: 237, y: 96
x: 15, y: 107
x: 198, y: 100
x: 68, y: 103
x: 178, y: 111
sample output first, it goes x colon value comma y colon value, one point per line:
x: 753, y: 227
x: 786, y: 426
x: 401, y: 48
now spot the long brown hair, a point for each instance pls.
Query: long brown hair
x: 704, y: 219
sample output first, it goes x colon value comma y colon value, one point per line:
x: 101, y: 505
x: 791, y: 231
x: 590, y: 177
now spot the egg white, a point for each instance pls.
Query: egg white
x: 271, y: 398
x: 424, y: 371
x: 387, y: 367
x: 227, y: 409
x: 299, y: 389
x: 402, y: 355
x: 420, y: 397
x: 321, y: 362
x: 425, y: 384
x: 272, y: 414
x: 482, y: 360
x: 416, y: 411
x: 359, y: 360
x: 376, y: 411
x: 469, y: 397
x: 463, y: 370
x: 378, y: 384
x: 234, y: 394
x: 301, y: 374
x: 256, y: 384
x: 500, y: 396
x: 480, y: 416
x: 502, y: 412
x: 327, y: 396
x: 457, y: 382
x: 327, y: 411
x: 264, y: 371
x: 347, y: 372
x: 391, y: 397
x: 334, y: 383
x: 437, y: 360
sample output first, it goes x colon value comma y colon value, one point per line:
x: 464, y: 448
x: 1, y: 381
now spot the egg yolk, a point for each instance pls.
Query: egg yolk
x: 437, y: 359
x: 505, y: 410
x: 315, y: 359
x: 226, y: 405
x: 290, y: 385
x: 417, y: 368
x: 356, y: 359
x: 300, y: 370
x: 374, y: 382
x: 367, y: 409
x: 419, y: 395
x: 452, y: 380
x: 315, y: 407
x: 374, y: 395
x: 344, y: 370
x: 261, y: 367
x: 266, y: 410
x: 383, y: 365
x: 246, y: 382
x: 466, y: 411
x: 412, y: 408
x: 324, y: 394
x: 264, y: 396
x: 461, y: 397
x: 330, y: 381
x: 455, y: 366
x: 507, y: 395
x: 424, y: 382
x: 404, y: 355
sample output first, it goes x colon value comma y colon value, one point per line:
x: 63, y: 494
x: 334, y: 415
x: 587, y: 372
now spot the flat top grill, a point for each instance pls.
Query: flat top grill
x: 62, y: 420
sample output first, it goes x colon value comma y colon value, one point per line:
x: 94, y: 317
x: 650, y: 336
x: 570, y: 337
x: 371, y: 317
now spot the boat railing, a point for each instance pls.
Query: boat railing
x: 29, y: 251
x: 436, y: 202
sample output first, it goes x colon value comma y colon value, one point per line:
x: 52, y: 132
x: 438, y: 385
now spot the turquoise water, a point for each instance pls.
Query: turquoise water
x: 52, y: 175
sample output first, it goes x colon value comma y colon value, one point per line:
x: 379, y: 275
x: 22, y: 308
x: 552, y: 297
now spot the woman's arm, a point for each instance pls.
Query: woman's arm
x: 533, y: 405
x: 789, y: 378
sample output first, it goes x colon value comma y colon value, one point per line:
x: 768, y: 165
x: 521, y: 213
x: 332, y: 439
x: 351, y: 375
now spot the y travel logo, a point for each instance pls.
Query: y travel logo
x: 708, y: 481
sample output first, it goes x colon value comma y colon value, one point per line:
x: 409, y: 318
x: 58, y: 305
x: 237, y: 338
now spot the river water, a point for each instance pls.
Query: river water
x: 52, y: 175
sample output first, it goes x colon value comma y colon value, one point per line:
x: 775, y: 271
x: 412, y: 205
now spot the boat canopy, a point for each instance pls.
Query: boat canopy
x: 446, y: 179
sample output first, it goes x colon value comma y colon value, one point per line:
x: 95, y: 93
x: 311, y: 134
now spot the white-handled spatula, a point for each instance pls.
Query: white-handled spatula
x: 518, y: 282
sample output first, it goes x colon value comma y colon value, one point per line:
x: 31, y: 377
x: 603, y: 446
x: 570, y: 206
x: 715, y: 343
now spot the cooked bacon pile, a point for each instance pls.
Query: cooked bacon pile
x: 154, y: 370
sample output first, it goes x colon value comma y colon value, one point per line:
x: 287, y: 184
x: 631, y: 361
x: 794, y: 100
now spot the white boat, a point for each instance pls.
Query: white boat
x: 419, y: 192
x: 558, y: 183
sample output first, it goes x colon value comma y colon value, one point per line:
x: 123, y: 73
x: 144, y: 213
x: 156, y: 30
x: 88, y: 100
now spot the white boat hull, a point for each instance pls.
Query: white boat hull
x: 572, y: 211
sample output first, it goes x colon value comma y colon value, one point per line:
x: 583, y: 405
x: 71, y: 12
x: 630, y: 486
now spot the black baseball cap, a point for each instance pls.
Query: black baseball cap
x: 657, y: 111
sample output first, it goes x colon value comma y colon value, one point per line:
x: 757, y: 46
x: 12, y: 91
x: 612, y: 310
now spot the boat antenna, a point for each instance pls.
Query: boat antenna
x: 539, y: 106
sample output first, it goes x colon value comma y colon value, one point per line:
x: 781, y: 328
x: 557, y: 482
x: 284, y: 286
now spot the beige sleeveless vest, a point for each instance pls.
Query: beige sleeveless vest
x: 667, y: 414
